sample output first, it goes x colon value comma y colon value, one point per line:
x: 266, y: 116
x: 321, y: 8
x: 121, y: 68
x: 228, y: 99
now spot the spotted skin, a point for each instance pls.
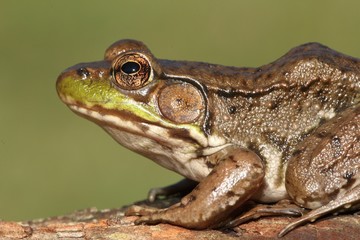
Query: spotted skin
x: 288, y: 130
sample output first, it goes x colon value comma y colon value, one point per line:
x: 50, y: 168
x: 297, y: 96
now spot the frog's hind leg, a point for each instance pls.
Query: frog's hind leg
x: 349, y: 201
x: 256, y: 211
x: 323, y: 173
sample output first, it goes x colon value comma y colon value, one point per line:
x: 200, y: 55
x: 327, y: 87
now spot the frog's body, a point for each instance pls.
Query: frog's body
x: 286, y: 130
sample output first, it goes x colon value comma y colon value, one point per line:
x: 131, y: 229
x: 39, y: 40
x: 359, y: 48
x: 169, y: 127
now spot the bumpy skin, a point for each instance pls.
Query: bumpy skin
x: 286, y: 130
x: 272, y: 109
x: 313, y: 182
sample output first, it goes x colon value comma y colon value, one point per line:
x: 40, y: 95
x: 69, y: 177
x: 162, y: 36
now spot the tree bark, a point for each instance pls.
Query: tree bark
x: 112, y: 224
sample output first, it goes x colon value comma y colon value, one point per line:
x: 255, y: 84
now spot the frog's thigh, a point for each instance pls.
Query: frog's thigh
x: 233, y: 181
x: 327, y: 162
x: 324, y: 173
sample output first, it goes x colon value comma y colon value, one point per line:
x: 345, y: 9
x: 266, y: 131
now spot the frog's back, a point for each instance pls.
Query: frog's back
x: 280, y: 103
x: 275, y: 107
x: 312, y: 62
x: 301, y: 66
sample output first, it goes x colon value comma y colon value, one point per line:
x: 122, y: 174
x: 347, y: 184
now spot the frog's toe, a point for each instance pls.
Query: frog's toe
x: 148, y: 220
x: 139, y: 211
x: 279, y: 209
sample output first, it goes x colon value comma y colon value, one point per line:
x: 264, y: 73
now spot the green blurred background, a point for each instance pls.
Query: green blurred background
x: 53, y: 162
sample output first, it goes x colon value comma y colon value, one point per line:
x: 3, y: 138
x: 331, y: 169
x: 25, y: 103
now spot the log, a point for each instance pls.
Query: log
x: 112, y: 224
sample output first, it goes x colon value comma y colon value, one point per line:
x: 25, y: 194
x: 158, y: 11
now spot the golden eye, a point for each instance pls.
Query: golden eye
x: 131, y: 71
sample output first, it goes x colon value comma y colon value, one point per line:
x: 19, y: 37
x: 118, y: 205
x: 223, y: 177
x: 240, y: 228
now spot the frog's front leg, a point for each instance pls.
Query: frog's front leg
x: 324, y: 172
x: 238, y: 175
x: 182, y: 187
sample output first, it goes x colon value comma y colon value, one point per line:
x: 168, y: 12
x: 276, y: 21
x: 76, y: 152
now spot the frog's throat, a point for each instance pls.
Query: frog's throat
x: 179, y: 151
x: 174, y: 135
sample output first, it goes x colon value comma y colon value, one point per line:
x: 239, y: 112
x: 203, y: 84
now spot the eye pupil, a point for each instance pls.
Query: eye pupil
x: 130, y: 67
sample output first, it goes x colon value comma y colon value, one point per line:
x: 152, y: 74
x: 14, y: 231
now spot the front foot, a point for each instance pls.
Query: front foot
x: 182, y: 187
x: 140, y: 211
x: 238, y: 175
x: 144, y: 214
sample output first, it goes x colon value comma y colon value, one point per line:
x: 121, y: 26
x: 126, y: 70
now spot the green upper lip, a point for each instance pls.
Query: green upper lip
x: 88, y: 85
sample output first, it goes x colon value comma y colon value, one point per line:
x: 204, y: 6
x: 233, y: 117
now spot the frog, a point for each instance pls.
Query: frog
x: 285, y: 132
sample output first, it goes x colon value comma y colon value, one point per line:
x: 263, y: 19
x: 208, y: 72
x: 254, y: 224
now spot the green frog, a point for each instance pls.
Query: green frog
x: 285, y: 131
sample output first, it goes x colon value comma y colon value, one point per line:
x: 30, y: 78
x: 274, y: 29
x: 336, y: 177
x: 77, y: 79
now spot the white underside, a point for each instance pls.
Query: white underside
x: 181, y: 160
x: 273, y: 188
x: 157, y: 144
x: 180, y: 156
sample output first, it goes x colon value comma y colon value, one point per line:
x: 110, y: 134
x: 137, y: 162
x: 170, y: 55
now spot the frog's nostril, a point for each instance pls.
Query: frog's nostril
x: 83, y: 72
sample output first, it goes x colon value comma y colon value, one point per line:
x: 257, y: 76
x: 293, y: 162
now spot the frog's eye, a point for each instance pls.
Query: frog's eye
x: 131, y: 71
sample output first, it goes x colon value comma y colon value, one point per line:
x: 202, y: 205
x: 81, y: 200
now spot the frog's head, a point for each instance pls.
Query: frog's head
x: 130, y: 95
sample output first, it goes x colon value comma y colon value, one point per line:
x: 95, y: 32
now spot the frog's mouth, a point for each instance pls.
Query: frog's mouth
x: 126, y: 121
x: 181, y: 147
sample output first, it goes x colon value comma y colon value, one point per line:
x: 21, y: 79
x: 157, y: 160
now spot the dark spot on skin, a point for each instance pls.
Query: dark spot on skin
x: 182, y: 133
x: 83, y: 72
x: 322, y: 134
x: 322, y: 121
x: 296, y: 152
x: 319, y: 93
x: 273, y: 105
x: 304, y: 88
x: 230, y: 194
x: 335, y: 142
x: 232, y: 109
x: 348, y: 175
x: 269, y: 76
x: 226, y: 93
x: 210, y: 165
x: 232, y: 158
x: 324, y: 170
